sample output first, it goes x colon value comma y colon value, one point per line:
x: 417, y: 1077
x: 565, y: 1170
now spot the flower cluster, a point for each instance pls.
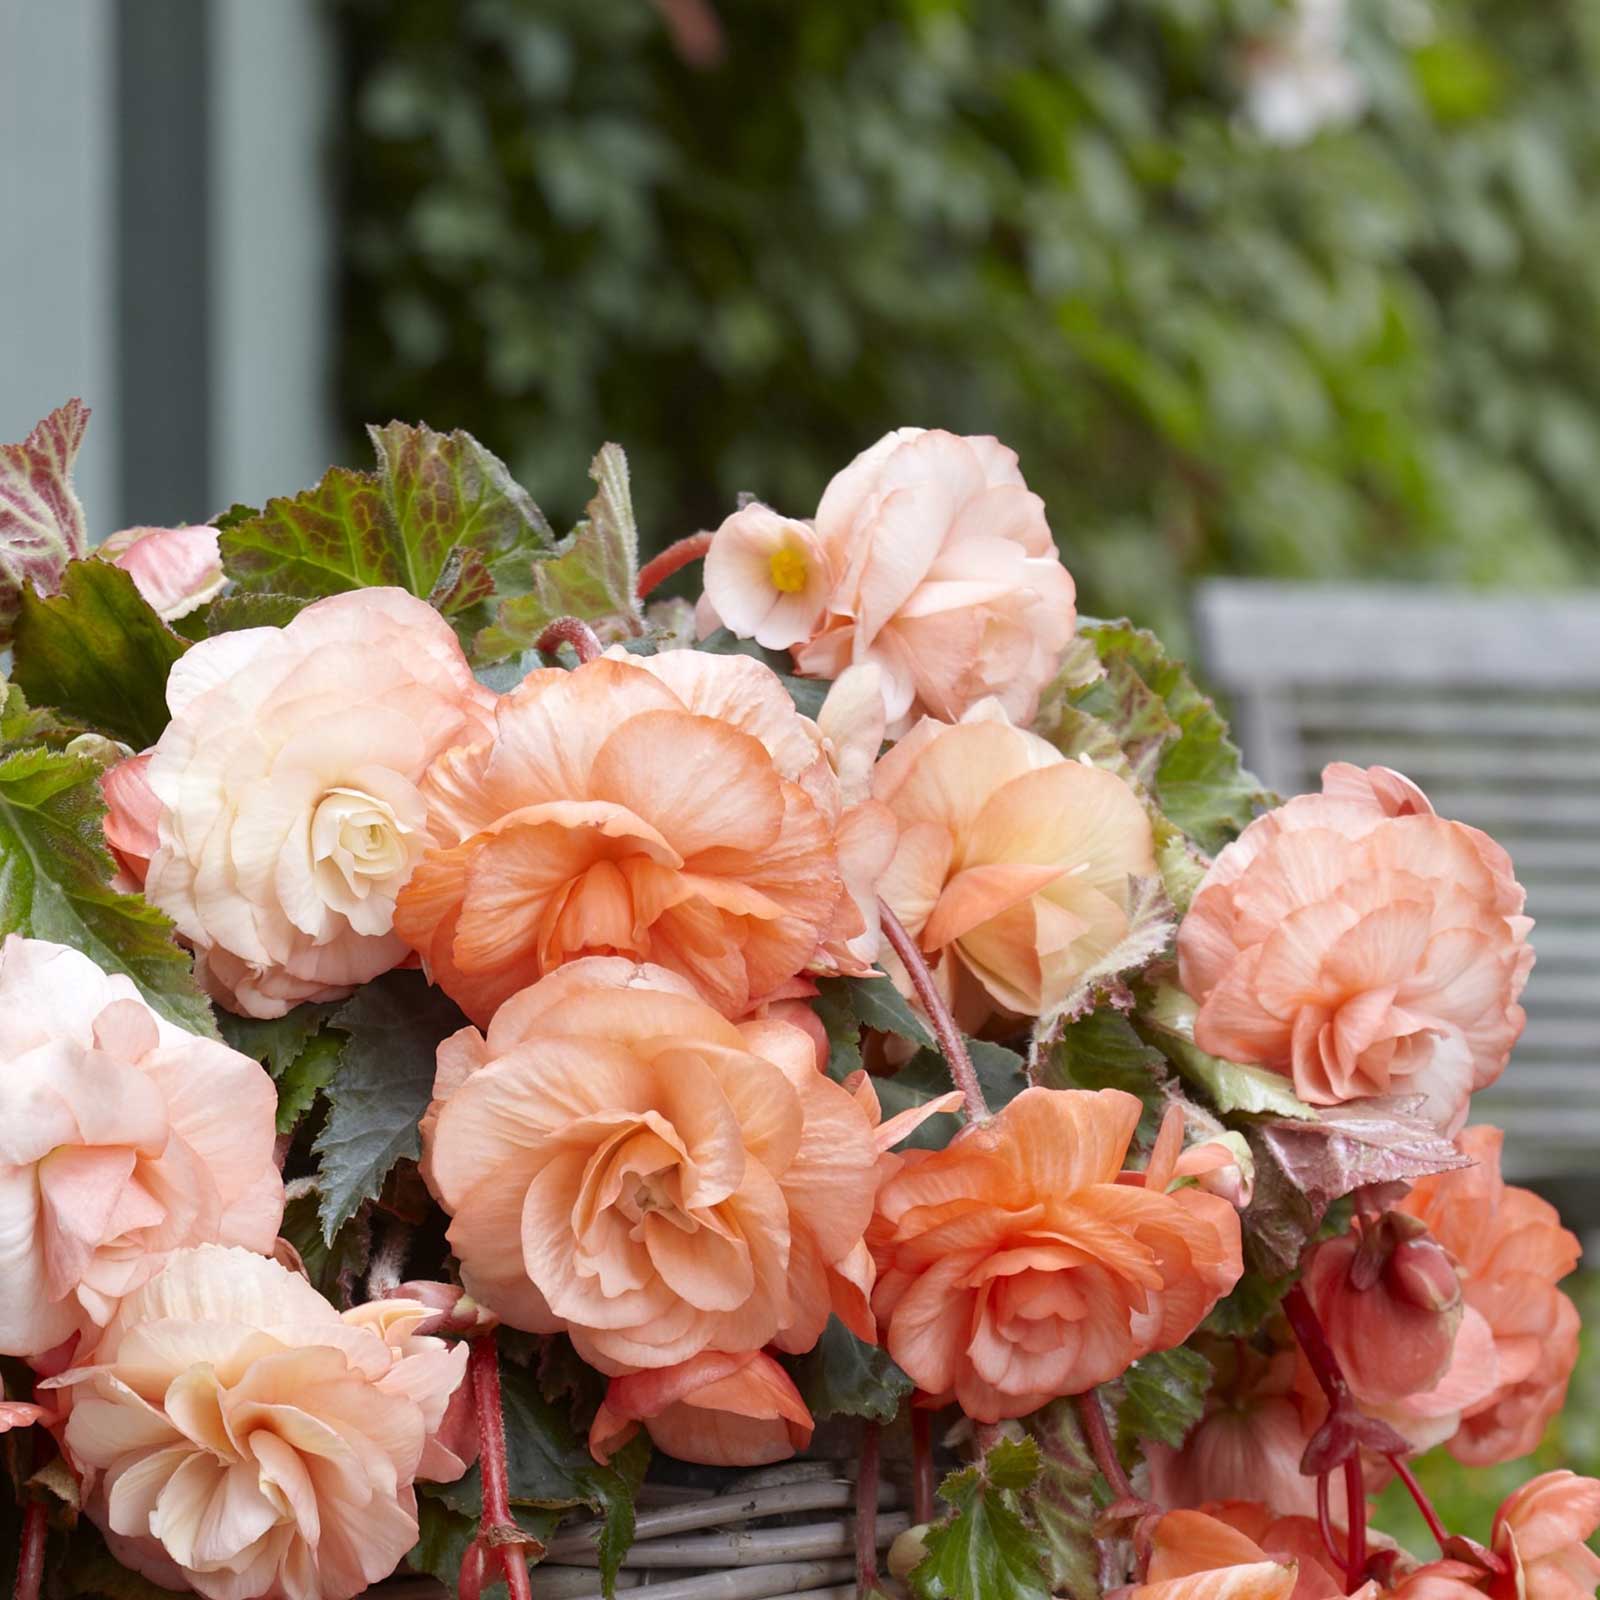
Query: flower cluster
x: 762, y: 1012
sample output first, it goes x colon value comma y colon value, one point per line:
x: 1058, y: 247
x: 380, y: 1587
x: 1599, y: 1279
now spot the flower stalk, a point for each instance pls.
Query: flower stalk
x: 867, y: 1511
x: 673, y: 559
x: 584, y: 640
x: 497, y: 1529
x: 921, y: 1465
x: 953, y: 1047
x: 1093, y: 1417
x: 30, y: 1559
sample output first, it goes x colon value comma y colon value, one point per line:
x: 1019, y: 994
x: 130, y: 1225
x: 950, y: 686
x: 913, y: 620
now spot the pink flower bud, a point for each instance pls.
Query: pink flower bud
x: 1419, y: 1271
x: 176, y: 569
x: 456, y: 1314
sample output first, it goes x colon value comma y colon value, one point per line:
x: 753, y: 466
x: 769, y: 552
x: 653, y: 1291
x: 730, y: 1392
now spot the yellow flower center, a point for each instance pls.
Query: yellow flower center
x: 788, y: 568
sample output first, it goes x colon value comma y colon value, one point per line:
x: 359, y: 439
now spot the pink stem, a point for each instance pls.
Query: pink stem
x: 1325, y: 1521
x: 570, y: 630
x: 867, y: 1511
x: 1092, y: 1415
x: 1355, y: 1494
x: 497, y: 1528
x: 921, y: 1465
x: 30, y: 1562
x: 1424, y: 1504
x: 673, y: 559
x: 953, y: 1046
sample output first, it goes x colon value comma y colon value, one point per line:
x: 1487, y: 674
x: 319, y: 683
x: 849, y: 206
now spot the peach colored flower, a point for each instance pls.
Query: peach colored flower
x: 675, y: 809
x: 1361, y: 945
x: 133, y: 817
x: 1294, y: 1542
x: 238, y: 1437
x: 623, y: 1162
x: 1013, y: 866
x: 944, y: 573
x: 1015, y: 1265
x: 288, y: 786
x: 766, y: 577
x: 720, y: 1410
x: 176, y: 569
x: 22, y: 1414
x: 1198, y: 1557
x: 1510, y: 1250
x: 1540, y: 1533
x: 112, y: 1151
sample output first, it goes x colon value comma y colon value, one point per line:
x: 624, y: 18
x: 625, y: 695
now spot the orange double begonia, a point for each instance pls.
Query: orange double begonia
x: 1510, y: 1251
x: 623, y: 1162
x: 1017, y: 1265
x: 675, y: 810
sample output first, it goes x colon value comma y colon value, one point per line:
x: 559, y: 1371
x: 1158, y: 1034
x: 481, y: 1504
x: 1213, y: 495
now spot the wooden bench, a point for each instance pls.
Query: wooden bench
x: 1492, y: 704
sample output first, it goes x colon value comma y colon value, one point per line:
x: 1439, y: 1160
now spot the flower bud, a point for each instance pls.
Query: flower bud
x: 907, y: 1551
x: 1420, y: 1272
x: 456, y: 1314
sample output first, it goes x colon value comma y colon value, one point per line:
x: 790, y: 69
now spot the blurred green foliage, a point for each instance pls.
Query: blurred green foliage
x: 1377, y: 351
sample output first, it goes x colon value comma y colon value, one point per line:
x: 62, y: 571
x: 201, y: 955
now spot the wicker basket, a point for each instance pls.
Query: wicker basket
x: 768, y: 1535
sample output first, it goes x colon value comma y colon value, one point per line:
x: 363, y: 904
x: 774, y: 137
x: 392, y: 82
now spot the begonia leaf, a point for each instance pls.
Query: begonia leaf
x: 842, y: 1376
x: 990, y: 1546
x: 97, y: 652
x: 41, y: 521
x: 591, y: 575
x: 381, y: 1089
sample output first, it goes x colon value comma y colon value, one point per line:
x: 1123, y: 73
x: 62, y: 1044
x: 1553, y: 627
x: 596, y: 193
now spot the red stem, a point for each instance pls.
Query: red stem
x: 953, y: 1046
x: 30, y: 1563
x: 921, y: 1465
x: 497, y: 1528
x: 1424, y: 1504
x: 867, y: 1511
x: 1308, y: 1332
x: 1325, y: 1521
x: 1355, y: 1495
x: 570, y: 630
x: 673, y: 559
x: 1093, y: 1417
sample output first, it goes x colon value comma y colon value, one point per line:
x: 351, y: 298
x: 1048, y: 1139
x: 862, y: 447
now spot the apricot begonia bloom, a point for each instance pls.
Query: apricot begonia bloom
x: 1510, y: 1251
x: 1290, y: 1541
x: 238, y: 1437
x: 176, y: 569
x: 944, y: 573
x: 1361, y: 945
x: 1198, y: 1557
x: 1540, y: 1533
x: 287, y: 781
x: 623, y: 1162
x: 132, y: 821
x: 674, y: 809
x: 766, y: 577
x: 112, y: 1152
x: 1014, y: 864
x: 1014, y: 1266
x: 719, y: 1410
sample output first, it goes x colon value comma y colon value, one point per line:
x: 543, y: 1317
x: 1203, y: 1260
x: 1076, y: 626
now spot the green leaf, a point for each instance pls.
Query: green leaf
x: 21, y: 724
x: 846, y: 1005
x: 55, y: 873
x: 835, y: 1007
x: 1066, y: 1503
x: 1230, y: 1085
x: 842, y: 1377
x: 989, y: 1548
x: 305, y: 1077
x: 235, y: 611
x: 1163, y: 1397
x: 591, y: 575
x: 334, y: 1269
x: 275, y: 1042
x: 1254, y: 1298
x: 434, y: 494
x: 41, y: 522
x: 382, y: 1088
x: 98, y: 652
x: 1102, y: 1051
x: 1171, y: 734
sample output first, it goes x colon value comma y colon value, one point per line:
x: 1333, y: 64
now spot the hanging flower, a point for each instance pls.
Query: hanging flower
x: 943, y: 572
x: 719, y: 1410
x: 1018, y: 1264
x: 112, y: 1151
x: 1510, y: 1251
x: 240, y: 1438
x: 766, y: 577
x: 1014, y: 865
x: 1361, y: 945
x: 287, y: 780
x: 675, y: 810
